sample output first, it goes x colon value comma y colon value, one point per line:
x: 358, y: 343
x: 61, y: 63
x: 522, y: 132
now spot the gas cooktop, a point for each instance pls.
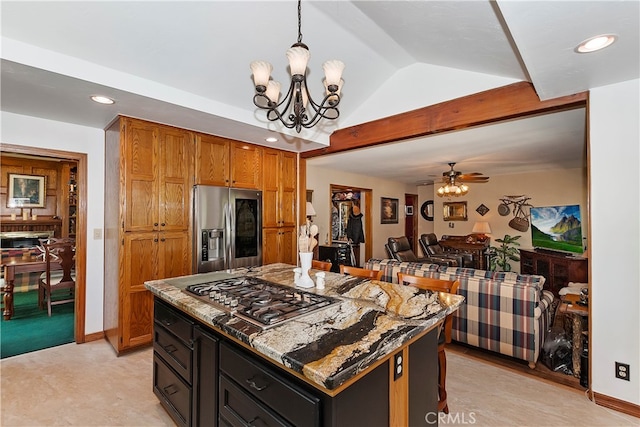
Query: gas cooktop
x: 260, y: 302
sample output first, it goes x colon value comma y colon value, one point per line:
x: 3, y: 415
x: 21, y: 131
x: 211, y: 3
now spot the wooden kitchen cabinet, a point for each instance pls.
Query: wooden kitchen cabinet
x: 279, y: 207
x: 157, y: 165
x: 148, y: 180
x: 227, y: 163
x: 279, y: 245
x: 279, y: 188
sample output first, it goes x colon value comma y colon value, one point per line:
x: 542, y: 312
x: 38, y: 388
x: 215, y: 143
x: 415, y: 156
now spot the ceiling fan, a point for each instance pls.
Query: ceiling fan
x: 452, y: 176
x: 454, y: 182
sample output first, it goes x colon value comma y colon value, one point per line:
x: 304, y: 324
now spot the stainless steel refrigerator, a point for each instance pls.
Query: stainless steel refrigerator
x: 227, y: 228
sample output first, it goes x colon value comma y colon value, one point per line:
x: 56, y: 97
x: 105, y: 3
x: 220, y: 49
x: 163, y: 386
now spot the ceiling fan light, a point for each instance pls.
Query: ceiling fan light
x: 464, y: 188
x: 261, y: 72
x: 298, y: 59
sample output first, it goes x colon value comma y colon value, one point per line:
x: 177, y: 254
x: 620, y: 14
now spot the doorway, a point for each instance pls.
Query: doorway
x: 80, y: 222
x: 342, y: 207
x: 411, y: 220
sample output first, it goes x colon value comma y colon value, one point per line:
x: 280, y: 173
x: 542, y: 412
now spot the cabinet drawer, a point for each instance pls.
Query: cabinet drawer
x: 173, y: 351
x: 238, y: 408
x: 295, y: 405
x: 178, y: 325
x: 173, y: 392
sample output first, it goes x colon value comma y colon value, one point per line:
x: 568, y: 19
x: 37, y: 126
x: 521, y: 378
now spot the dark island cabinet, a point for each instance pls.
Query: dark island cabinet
x: 203, y: 378
x: 185, y: 367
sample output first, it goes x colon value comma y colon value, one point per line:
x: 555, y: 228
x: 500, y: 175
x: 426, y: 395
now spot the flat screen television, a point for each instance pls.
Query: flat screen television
x: 557, y: 228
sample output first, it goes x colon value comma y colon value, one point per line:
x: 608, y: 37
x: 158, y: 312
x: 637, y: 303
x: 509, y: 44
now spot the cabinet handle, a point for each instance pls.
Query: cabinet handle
x: 252, y: 383
x: 170, y: 389
x: 155, y: 224
x: 163, y: 239
x: 166, y: 322
x: 170, y: 348
x: 163, y: 224
x: 155, y: 240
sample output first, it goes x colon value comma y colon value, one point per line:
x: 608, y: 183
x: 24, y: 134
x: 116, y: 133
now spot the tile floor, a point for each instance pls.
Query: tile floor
x: 87, y: 385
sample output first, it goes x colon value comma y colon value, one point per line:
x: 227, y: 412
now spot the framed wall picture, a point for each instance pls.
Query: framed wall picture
x: 26, y: 191
x: 388, y: 210
x: 455, y: 211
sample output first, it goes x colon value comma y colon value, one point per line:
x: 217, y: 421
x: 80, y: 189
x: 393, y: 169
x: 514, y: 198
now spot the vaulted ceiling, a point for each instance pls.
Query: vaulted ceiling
x: 187, y: 64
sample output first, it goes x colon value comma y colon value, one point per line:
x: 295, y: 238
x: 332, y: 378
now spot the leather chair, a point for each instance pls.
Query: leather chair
x: 444, y: 338
x: 430, y: 247
x: 400, y: 249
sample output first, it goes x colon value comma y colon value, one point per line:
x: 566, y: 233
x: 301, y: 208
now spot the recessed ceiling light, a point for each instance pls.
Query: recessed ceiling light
x: 271, y: 139
x: 102, y: 99
x: 596, y: 43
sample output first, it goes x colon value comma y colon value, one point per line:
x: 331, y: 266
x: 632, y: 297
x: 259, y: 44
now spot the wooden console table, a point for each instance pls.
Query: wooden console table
x: 476, y: 249
x: 557, y: 268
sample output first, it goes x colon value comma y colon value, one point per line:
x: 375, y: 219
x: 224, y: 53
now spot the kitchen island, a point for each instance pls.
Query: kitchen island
x: 369, y: 358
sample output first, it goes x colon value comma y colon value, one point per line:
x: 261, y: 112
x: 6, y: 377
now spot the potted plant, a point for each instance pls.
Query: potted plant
x: 507, y: 251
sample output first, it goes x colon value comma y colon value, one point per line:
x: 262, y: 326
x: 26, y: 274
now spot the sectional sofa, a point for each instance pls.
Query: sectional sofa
x: 505, y: 312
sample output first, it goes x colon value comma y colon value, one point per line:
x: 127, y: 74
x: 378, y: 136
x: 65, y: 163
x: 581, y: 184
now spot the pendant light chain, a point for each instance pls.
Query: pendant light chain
x: 299, y: 21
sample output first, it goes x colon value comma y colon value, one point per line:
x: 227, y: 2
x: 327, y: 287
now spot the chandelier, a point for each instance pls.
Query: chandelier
x: 453, y: 188
x: 298, y: 108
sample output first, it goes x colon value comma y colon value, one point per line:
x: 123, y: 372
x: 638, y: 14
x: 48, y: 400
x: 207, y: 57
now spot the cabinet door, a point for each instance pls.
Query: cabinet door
x: 140, y: 204
x: 246, y: 165
x: 174, y: 255
x: 271, y: 189
x: 212, y: 160
x: 140, y: 265
x: 205, y: 392
x: 288, y: 179
x: 174, y: 179
x: 270, y: 250
x: 279, y: 245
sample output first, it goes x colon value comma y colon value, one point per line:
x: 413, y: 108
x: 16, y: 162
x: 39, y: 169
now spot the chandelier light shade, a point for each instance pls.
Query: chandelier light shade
x: 297, y: 109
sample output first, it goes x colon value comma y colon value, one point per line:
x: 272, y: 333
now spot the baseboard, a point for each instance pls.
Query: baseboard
x: 96, y: 336
x: 617, y: 404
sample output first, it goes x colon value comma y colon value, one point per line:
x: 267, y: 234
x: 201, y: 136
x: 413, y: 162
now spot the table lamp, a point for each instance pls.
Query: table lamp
x: 481, y: 228
x: 310, y: 211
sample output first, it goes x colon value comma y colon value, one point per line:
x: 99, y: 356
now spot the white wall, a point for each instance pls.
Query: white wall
x: 320, y: 179
x: 615, y: 237
x: 34, y: 132
x: 546, y: 188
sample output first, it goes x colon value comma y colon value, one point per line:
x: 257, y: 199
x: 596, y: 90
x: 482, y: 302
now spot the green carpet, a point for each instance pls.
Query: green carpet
x: 31, y: 329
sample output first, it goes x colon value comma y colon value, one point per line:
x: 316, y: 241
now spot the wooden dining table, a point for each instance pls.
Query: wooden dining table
x: 16, y: 265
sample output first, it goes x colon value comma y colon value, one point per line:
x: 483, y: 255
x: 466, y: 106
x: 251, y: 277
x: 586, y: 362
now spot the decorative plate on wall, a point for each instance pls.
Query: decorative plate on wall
x: 482, y: 209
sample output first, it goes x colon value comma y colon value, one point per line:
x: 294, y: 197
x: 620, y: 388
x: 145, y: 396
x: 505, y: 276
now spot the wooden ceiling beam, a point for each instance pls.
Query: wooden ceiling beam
x: 495, y: 105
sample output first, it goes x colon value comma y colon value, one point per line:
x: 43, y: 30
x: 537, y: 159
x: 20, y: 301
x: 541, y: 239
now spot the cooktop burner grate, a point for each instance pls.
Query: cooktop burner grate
x: 263, y: 303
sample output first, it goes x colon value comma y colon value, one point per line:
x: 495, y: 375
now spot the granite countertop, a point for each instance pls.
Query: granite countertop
x: 334, y: 344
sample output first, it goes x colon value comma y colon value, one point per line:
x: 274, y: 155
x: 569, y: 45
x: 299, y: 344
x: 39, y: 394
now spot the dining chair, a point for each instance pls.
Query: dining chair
x: 321, y: 265
x: 57, y: 284
x: 437, y: 285
x: 361, y: 272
